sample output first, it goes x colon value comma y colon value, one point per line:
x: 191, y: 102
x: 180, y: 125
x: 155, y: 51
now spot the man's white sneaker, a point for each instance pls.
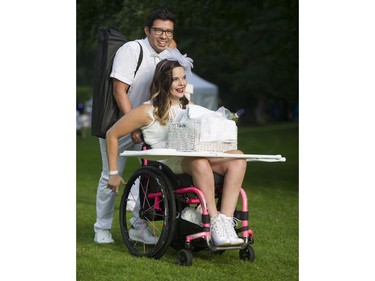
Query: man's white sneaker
x: 143, y: 235
x: 103, y: 236
x: 218, y: 233
x: 229, y: 224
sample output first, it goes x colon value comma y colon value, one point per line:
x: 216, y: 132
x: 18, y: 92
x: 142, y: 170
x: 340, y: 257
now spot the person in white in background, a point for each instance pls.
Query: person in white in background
x: 84, y: 123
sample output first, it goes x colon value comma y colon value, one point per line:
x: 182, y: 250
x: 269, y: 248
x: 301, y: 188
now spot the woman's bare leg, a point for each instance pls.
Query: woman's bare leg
x: 233, y: 171
x: 200, y: 170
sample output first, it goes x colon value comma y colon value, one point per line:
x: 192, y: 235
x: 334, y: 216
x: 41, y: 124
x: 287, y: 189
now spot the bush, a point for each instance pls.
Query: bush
x: 84, y: 93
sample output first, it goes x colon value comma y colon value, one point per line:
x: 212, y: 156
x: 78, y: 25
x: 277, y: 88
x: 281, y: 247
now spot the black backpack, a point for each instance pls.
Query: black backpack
x: 105, y: 111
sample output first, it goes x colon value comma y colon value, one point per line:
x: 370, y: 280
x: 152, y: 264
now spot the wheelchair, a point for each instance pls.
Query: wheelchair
x: 163, y: 196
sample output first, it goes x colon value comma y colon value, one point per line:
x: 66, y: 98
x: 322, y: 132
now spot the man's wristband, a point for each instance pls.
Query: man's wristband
x: 111, y: 173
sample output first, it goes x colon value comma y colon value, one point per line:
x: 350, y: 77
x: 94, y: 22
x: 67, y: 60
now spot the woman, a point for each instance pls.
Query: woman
x: 167, y: 98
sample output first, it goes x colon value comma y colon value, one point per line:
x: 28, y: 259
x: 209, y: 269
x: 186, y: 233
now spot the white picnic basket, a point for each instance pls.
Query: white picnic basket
x: 186, y: 136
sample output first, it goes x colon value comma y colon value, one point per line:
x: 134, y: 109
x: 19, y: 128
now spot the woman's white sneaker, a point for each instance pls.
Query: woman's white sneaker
x: 229, y: 229
x: 218, y: 233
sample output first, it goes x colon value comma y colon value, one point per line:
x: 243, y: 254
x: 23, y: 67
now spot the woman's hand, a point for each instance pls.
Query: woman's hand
x: 114, y: 183
x: 137, y: 136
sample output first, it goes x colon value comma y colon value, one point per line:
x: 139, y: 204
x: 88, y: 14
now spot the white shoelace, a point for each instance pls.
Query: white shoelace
x: 229, y: 224
x: 217, y: 227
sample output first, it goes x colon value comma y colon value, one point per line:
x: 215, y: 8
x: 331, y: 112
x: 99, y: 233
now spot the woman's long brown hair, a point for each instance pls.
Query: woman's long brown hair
x: 160, y: 90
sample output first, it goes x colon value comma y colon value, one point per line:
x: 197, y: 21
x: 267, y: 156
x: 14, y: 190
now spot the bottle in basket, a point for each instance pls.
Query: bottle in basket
x: 237, y: 115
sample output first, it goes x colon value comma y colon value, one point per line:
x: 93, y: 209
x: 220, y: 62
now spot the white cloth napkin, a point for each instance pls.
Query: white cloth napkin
x: 199, y: 112
x: 218, y: 129
x: 214, y: 126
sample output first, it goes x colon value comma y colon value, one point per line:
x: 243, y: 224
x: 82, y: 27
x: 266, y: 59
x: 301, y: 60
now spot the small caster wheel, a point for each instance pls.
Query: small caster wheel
x: 184, y: 257
x: 247, y: 253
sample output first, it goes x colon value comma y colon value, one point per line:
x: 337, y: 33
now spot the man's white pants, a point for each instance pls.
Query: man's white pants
x: 105, y: 198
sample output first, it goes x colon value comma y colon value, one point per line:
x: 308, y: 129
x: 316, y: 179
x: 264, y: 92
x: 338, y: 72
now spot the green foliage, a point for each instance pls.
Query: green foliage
x: 84, y: 94
x: 248, y: 48
x: 272, y: 190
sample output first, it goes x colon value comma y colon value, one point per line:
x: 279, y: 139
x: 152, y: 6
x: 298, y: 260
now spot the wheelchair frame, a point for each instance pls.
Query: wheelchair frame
x: 162, y: 196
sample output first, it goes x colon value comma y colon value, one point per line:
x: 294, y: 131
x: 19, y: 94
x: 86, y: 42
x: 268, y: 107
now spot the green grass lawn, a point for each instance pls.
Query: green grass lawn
x: 272, y: 190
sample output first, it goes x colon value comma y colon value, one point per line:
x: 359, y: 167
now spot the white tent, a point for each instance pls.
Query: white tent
x: 204, y: 93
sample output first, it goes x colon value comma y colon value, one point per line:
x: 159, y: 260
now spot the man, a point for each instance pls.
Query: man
x: 130, y: 92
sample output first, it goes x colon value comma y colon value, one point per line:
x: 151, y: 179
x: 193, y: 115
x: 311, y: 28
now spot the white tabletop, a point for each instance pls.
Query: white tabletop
x: 158, y: 154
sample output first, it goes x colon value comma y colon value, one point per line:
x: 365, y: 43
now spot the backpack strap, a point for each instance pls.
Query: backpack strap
x: 140, y: 58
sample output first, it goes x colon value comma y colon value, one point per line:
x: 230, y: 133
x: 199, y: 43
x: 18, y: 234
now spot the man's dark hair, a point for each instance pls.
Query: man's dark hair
x: 160, y: 14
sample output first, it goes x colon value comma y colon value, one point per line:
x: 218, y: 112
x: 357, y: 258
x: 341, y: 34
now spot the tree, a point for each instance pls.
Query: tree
x: 248, y: 48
